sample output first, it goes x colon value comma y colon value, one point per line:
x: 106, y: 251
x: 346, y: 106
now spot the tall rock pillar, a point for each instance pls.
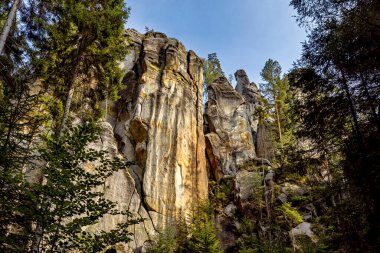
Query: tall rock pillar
x: 159, y: 121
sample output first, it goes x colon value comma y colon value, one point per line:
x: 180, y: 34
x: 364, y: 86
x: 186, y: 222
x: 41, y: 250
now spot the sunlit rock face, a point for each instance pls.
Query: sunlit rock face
x: 254, y: 104
x: 158, y: 123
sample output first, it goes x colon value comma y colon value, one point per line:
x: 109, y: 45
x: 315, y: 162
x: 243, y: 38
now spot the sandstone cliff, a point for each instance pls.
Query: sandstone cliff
x: 236, y: 134
x: 158, y: 123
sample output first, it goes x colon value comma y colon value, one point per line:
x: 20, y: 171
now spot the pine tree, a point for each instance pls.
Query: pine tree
x: 203, y: 233
x: 337, y: 86
x: 275, y: 90
x: 211, y: 71
x: 79, y: 42
x: 8, y: 23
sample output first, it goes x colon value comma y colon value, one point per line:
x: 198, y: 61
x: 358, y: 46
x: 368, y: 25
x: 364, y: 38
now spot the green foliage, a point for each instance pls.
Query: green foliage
x: 258, y: 190
x: 198, y: 236
x: 271, y: 73
x: 288, y: 215
x: 172, y: 238
x: 202, y: 231
x: 211, y: 71
x: 19, y: 125
x: 336, y: 93
x: 68, y: 200
x: 248, y: 241
x: 276, y: 91
x: 166, y: 241
x: 276, y: 87
x: 338, y: 227
x: 221, y: 193
x: 79, y: 43
x: 300, y: 200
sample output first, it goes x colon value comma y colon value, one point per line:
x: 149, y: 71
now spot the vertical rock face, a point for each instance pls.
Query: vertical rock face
x: 235, y: 136
x: 254, y: 103
x: 229, y: 142
x: 165, y: 126
x: 237, y: 132
x: 158, y: 122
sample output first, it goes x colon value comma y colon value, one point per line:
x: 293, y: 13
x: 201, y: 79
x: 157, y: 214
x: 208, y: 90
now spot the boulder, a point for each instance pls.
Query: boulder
x: 230, y: 210
x: 291, y: 189
x: 282, y: 198
x: 303, y: 229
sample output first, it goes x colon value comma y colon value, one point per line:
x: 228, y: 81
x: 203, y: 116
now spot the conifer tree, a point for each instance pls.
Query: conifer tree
x: 337, y: 86
x: 8, y: 23
x: 79, y: 42
x: 275, y: 89
x: 211, y: 71
x: 203, y: 233
x: 73, y: 173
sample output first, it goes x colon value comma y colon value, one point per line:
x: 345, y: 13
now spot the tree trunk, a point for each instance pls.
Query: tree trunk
x: 39, y: 232
x: 370, y: 99
x: 37, y: 239
x: 70, y: 93
x: 278, y: 122
x: 8, y: 25
x: 67, y: 106
x: 352, y: 109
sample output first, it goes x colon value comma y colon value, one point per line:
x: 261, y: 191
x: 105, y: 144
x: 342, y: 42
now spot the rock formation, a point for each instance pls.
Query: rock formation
x: 232, y: 137
x: 229, y: 143
x: 254, y: 108
x: 233, y: 124
x: 158, y: 123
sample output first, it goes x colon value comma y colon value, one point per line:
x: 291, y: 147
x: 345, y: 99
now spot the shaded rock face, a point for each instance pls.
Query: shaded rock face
x: 235, y: 136
x: 237, y: 130
x: 158, y: 122
x: 229, y: 142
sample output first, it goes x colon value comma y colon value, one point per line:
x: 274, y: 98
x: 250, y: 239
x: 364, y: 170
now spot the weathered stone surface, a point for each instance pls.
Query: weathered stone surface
x: 244, y: 191
x: 227, y: 233
x: 230, y: 210
x: 232, y: 132
x: 254, y: 103
x: 158, y: 123
x: 229, y: 143
x: 122, y: 187
x: 291, y: 189
x: 303, y: 229
x: 283, y: 198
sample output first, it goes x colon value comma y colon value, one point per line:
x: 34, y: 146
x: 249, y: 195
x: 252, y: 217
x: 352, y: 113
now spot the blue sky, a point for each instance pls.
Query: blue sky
x: 243, y: 33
